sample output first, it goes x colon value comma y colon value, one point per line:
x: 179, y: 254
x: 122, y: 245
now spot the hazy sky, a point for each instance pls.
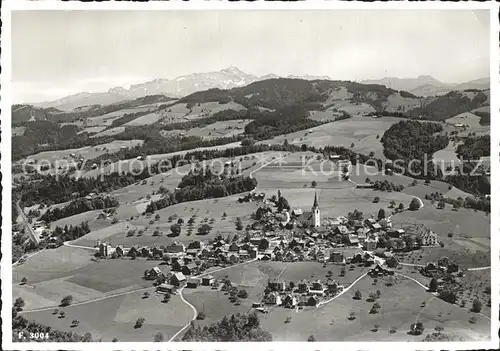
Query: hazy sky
x: 57, y: 53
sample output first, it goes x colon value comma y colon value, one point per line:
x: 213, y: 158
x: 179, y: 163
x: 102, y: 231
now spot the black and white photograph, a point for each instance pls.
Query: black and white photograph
x: 249, y: 175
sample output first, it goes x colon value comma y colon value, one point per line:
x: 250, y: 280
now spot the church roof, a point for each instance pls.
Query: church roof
x: 315, y: 200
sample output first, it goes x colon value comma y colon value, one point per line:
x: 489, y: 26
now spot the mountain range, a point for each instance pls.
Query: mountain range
x: 233, y: 77
x: 227, y: 78
x: 426, y: 85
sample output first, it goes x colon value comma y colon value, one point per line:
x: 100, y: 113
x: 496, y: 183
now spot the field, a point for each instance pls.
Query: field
x: 336, y: 197
x: 107, y: 119
x: 109, y: 132
x: 92, y: 130
x: 221, y: 129
x: 401, y: 305
x: 150, y: 118
x: 360, y: 131
x: 86, y: 152
x: 115, y: 317
x: 180, y: 112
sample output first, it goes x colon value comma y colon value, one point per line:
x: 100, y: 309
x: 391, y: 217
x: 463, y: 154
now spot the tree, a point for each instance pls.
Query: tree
x: 375, y: 308
x: 24, y: 280
x: 311, y: 338
x: 248, y: 142
x: 175, y: 229
x: 75, y: 323
x: 376, y: 199
x: 166, y: 297
x: 62, y: 314
x: 401, y: 207
x: 157, y: 217
x: 158, y: 337
x: 439, y: 328
x: 313, y: 184
x: 414, y: 204
x: 433, y: 285
x: 239, y: 224
x: 375, y: 327
x: 115, y: 339
x: 139, y: 322
x: 477, y: 306
x: 204, y: 229
x: 19, y: 304
x: 381, y: 214
x: 146, y: 295
x: 242, y: 294
x: 357, y: 295
x: 392, y: 204
x: 201, y: 316
x: 66, y: 301
x: 352, y: 316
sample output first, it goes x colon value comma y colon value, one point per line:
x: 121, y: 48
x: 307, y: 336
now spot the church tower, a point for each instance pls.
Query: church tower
x: 315, y: 212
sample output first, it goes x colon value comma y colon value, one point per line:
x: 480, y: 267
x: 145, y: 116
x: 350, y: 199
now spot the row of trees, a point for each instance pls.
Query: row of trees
x: 238, y: 327
x: 71, y: 232
x: 79, y: 206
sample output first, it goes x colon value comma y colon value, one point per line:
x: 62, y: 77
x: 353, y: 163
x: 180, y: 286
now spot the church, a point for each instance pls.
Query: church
x: 311, y: 218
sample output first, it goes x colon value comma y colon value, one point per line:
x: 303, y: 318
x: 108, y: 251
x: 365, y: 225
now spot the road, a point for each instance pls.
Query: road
x: 27, y: 225
x: 67, y: 243
x: 195, y: 312
x: 343, y: 291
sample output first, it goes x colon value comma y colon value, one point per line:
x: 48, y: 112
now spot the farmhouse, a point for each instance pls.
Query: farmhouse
x: 290, y: 301
x: 193, y: 283
x: 277, y: 285
x: 154, y: 273
x: 207, y: 280
x: 189, y: 269
x: 175, y: 247
x: 178, y: 279
x: 337, y: 257
x: 379, y: 271
x: 166, y: 288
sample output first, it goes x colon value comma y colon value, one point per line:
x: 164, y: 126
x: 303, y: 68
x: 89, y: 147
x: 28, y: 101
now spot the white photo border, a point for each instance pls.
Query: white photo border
x: 6, y: 98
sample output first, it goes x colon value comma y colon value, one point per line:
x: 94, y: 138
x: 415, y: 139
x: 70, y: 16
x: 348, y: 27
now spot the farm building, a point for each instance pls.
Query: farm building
x: 277, y: 285
x: 154, y: 273
x: 207, y: 280
x: 379, y: 271
x: 166, y: 288
x: 193, y: 283
x: 189, y: 269
x: 290, y: 301
x: 178, y: 279
x: 337, y: 257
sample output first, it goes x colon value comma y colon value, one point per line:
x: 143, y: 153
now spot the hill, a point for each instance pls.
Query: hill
x: 426, y: 85
x: 24, y: 113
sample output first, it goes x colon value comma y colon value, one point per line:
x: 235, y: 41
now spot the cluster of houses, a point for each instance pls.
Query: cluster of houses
x: 303, y: 293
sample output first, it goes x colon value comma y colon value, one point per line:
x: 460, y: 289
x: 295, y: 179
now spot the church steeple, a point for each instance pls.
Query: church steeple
x: 315, y: 201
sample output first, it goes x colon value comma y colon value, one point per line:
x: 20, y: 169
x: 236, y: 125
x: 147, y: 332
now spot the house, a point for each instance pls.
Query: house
x: 273, y: 298
x: 337, y: 257
x: 429, y: 239
x: 277, y: 285
x: 379, y: 271
x: 352, y: 239
x: 290, y: 301
x: 189, y: 269
x: 303, y: 287
x: 233, y: 258
x: 234, y: 247
x: 193, y: 283
x: 331, y: 286
x: 317, y: 288
x: 192, y: 252
x: 244, y: 255
x: 313, y: 301
x: 370, y: 244
x: 175, y: 247
x: 166, y: 288
x: 342, y: 229
x: 252, y: 252
x: 154, y: 273
x: 178, y: 279
x: 207, y: 280
x: 205, y: 252
x: 146, y: 252
x: 176, y: 265
x: 197, y: 244
x: 395, y: 233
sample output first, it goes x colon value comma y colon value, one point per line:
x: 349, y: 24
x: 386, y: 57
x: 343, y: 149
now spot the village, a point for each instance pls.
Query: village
x: 280, y: 234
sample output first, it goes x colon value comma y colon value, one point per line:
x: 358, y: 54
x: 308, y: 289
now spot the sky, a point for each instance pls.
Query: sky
x: 59, y: 53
